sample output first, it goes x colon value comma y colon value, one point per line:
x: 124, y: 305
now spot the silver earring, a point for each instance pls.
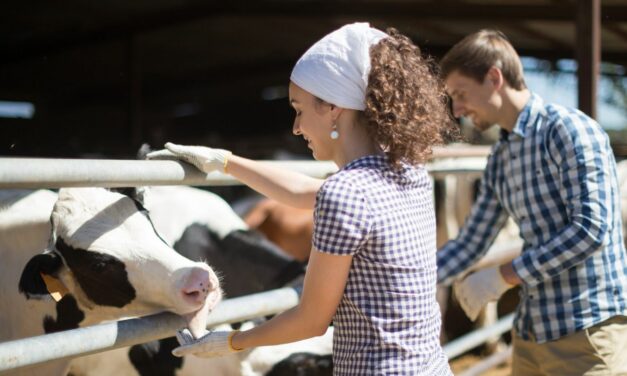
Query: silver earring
x: 334, y: 133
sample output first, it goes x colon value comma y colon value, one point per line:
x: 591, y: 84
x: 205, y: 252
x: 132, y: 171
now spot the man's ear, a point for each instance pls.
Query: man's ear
x: 495, y: 77
x: 32, y: 283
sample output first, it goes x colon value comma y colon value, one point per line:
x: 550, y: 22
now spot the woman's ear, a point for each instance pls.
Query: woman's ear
x: 335, y: 112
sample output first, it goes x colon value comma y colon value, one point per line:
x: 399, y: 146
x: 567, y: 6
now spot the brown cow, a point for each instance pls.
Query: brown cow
x: 288, y: 227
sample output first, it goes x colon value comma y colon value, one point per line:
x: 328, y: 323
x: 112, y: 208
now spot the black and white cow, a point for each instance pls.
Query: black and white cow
x: 102, y: 254
x: 202, y: 226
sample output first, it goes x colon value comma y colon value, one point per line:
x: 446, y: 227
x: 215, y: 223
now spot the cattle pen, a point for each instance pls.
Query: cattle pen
x: 37, y: 173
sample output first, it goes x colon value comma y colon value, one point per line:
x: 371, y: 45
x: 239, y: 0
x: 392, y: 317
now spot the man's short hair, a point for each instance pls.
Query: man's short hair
x: 474, y: 55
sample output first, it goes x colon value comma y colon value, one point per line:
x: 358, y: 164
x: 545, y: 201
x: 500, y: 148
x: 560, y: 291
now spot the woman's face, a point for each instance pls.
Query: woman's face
x: 313, y: 121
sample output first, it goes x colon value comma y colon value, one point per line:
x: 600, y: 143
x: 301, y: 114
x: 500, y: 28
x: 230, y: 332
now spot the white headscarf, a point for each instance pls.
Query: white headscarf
x: 336, y: 68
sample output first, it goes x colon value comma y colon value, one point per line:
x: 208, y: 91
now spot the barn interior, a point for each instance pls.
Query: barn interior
x: 98, y: 79
x: 85, y: 79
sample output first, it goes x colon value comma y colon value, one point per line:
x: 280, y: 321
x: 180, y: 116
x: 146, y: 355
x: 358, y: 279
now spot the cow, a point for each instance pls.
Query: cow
x: 202, y: 226
x: 97, y: 253
x: 289, y: 227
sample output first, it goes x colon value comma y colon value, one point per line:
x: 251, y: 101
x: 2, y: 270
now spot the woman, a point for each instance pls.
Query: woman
x: 367, y: 101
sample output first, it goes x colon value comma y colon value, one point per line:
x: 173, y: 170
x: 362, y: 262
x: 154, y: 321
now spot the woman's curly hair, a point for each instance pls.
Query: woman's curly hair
x: 406, y: 105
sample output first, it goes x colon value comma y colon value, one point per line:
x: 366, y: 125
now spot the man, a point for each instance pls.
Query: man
x: 553, y: 172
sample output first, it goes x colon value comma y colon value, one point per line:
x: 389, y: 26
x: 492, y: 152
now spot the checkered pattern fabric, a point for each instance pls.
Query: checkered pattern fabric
x: 555, y: 175
x: 388, y: 322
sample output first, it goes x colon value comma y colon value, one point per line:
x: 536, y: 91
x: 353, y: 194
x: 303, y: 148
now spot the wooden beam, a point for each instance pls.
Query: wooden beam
x: 305, y: 9
x: 588, y: 53
x: 616, y: 30
x: 536, y: 34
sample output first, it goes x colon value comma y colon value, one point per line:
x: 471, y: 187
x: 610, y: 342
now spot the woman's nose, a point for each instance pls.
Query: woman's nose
x: 296, y: 128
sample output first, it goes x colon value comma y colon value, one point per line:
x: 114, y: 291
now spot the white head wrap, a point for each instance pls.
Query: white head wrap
x: 336, y: 68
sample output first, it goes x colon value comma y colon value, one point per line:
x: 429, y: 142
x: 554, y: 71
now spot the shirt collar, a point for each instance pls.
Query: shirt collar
x: 527, y: 116
x: 374, y: 160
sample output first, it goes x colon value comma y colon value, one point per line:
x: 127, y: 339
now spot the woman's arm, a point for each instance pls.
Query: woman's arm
x: 288, y: 187
x: 325, y: 281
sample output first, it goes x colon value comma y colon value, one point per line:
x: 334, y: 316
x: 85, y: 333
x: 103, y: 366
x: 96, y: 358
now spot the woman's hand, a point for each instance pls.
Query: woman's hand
x: 204, y: 158
x: 211, y: 344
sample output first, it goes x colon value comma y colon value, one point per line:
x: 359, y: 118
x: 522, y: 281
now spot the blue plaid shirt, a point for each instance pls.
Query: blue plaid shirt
x: 388, y: 321
x: 555, y: 175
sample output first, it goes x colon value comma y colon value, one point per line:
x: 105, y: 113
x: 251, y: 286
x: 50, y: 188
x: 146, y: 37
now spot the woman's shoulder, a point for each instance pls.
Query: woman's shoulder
x: 343, y: 182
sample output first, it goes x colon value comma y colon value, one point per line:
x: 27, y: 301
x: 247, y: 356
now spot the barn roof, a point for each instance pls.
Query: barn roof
x: 146, y: 70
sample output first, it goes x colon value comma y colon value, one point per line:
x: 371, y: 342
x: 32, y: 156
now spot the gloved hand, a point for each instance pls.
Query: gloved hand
x: 204, y: 158
x: 211, y: 344
x: 477, y: 289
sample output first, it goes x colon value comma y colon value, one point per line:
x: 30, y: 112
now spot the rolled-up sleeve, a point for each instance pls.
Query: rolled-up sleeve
x: 486, y: 219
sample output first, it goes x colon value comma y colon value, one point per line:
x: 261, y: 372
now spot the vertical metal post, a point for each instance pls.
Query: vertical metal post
x: 588, y: 51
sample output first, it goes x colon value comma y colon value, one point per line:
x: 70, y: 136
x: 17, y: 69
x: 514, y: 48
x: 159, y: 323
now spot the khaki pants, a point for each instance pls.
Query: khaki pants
x: 598, y: 350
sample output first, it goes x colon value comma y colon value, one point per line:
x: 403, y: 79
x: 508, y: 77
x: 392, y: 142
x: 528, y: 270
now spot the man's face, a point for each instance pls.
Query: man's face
x: 477, y: 101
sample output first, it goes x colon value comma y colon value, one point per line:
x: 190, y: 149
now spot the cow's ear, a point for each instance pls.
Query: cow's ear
x: 143, y: 151
x: 32, y: 283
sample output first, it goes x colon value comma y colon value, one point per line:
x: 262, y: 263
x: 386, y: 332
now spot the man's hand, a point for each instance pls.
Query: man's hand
x: 477, y: 289
x: 204, y: 158
x: 210, y: 345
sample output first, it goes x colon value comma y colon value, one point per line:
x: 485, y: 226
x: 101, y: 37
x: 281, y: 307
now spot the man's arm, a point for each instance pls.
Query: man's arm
x: 486, y: 219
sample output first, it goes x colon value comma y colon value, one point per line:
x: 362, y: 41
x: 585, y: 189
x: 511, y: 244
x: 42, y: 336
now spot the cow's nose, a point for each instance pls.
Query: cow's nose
x: 198, y: 285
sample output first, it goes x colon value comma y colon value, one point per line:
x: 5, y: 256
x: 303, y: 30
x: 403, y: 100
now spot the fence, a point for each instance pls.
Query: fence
x: 35, y: 173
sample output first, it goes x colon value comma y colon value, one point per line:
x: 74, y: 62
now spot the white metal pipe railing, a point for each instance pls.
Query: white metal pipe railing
x: 108, y: 336
x: 36, y: 173
x: 56, y: 173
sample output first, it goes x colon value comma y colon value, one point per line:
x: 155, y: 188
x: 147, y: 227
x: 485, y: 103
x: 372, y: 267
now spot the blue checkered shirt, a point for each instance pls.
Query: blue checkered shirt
x: 388, y: 321
x: 555, y: 175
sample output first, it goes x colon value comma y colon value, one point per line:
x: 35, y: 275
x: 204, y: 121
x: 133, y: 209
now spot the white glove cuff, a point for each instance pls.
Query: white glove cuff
x: 220, y: 156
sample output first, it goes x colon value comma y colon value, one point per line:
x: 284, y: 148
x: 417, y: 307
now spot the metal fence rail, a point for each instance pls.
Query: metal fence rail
x: 36, y: 173
x: 56, y: 173
x: 102, y: 337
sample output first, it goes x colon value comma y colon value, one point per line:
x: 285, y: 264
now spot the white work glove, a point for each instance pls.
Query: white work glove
x: 211, y: 344
x: 478, y: 289
x: 204, y: 158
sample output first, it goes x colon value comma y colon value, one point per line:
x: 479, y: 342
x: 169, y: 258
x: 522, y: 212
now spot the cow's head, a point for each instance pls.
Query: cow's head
x: 105, y: 253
